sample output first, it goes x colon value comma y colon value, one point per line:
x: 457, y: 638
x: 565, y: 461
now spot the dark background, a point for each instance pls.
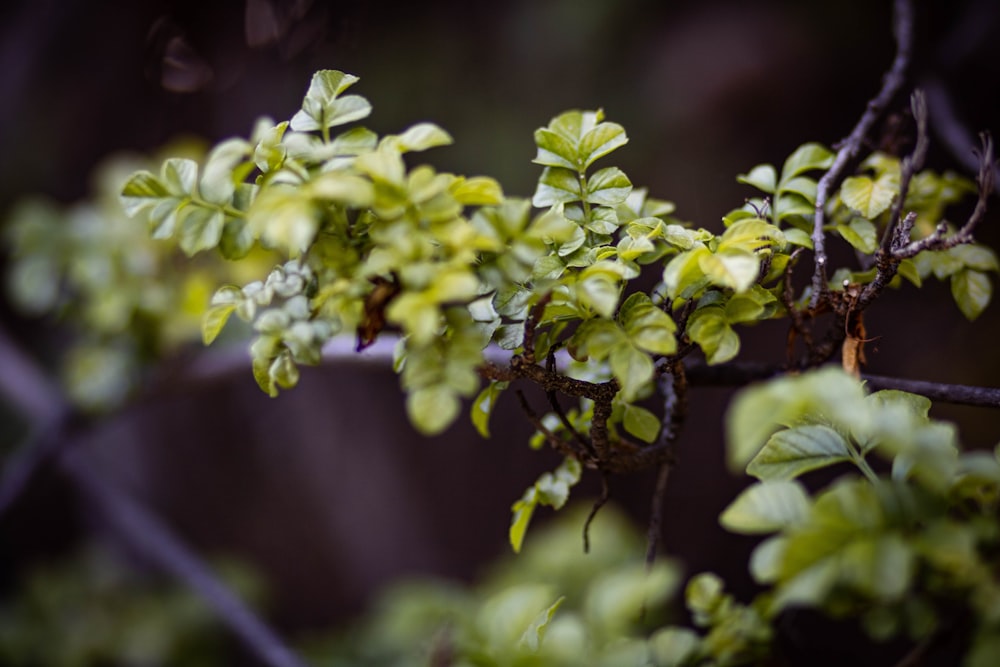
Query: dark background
x: 327, y: 490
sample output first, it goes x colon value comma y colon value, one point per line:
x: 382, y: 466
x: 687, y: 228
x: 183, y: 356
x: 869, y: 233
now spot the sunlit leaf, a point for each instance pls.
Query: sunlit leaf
x: 972, y: 291
x: 789, y: 453
x: 766, y: 507
x: 763, y: 177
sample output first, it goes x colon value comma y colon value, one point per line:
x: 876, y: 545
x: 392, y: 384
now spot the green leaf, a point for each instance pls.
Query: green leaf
x: 483, y: 406
x: 599, y: 293
x: 735, y: 269
x: 201, y: 229
x: 344, y: 188
x: 285, y: 219
x: 180, y: 176
x: 556, y: 185
x: 523, y: 509
x: 217, y: 180
x: 802, y: 186
x: 972, y: 291
x: 142, y: 190
x: 596, y: 338
x: 763, y: 177
x: 767, y: 507
x: 866, y: 197
x: 975, y: 256
x: 798, y: 237
x: 214, y: 319
x: 760, y: 410
x: 708, y: 327
x: 552, y: 488
x: 555, y: 150
x: 649, y: 327
x: 535, y: 633
x: 789, y: 453
x: 608, y: 187
x: 674, y: 646
x: 861, y: 234
x: 283, y: 371
x: 683, y: 276
x: 478, y: 191
x: 750, y: 235
x: 631, y: 367
x: 641, y: 423
x: 432, y: 409
x: 600, y: 141
x: 323, y: 107
x: 420, y: 137
x: 808, y: 157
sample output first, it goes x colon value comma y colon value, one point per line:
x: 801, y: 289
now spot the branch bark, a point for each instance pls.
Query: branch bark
x: 850, y: 148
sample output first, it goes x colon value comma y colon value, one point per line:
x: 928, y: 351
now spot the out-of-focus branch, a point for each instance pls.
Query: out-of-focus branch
x: 850, y: 148
x: 25, y: 386
x: 155, y: 543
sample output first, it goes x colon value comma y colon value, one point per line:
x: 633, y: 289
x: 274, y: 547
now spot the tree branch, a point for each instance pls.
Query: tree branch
x: 25, y: 385
x: 155, y: 543
x: 851, y: 146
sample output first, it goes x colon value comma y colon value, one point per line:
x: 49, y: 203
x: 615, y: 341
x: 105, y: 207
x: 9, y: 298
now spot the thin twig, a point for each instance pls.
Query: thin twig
x: 656, y: 512
x: 851, y: 146
x: 937, y: 240
x: 598, y: 504
x: 912, y: 163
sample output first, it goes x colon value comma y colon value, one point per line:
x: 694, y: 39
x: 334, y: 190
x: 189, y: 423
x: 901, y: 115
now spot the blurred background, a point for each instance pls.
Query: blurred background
x: 326, y: 493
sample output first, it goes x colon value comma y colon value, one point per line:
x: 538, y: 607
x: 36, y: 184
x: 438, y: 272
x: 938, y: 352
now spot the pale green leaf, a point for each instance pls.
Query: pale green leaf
x: 866, y: 197
x: 975, y: 256
x: 808, y: 157
x: 683, y: 276
x: 420, y: 137
x: 798, y: 237
x: 789, y: 453
x: 522, y: 511
x: 861, y: 234
x: 477, y: 191
x: 482, y: 407
x: 763, y: 177
x: 765, y: 561
x: 972, y: 291
x: 750, y: 235
x: 555, y: 150
x: 179, y: 176
x: 344, y: 188
x: 674, y: 646
x: 595, y: 338
x: 214, y: 319
x: 323, y: 108
x: 760, y: 410
x: 535, y: 633
x: 283, y: 371
x: 708, y: 327
x: 432, y: 409
x: 200, y: 229
x: 218, y: 183
x: 802, y: 186
x: 557, y: 185
x: 608, y: 187
x: 641, y: 423
x: 767, y: 507
x: 631, y: 367
x: 600, y: 141
x: 735, y: 269
x: 599, y: 293
x: 142, y: 190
